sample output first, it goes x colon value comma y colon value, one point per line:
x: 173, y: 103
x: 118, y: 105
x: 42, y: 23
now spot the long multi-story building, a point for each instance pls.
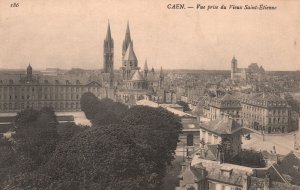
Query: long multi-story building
x: 265, y: 112
x: 34, y: 91
x: 227, y: 104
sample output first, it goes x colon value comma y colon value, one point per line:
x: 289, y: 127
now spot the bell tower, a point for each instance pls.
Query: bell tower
x: 108, y: 52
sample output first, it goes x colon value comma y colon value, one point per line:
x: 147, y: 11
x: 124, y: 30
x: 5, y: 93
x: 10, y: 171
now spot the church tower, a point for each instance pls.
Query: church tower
x: 108, y: 52
x: 29, y: 72
x: 126, y: 42
x: 233, y: 67
x: 130, y: 62
x: 161, y: 79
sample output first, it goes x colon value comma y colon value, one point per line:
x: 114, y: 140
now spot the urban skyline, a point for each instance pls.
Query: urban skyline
x: 174, y: 39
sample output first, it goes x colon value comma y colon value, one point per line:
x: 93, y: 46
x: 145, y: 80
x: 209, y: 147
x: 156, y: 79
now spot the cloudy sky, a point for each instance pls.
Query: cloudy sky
x: 70, y: 33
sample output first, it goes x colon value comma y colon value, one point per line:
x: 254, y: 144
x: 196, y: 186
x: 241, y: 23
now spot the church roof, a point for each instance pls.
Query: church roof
x: 137, y: 76
x: 130, y: 55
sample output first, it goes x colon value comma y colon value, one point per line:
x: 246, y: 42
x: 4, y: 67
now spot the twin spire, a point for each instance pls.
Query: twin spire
x: 127, y: 48
x: 127, y: 40
x: 108, y: 33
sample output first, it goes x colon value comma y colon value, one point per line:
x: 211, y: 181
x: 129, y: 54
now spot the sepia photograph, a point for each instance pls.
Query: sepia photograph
x: 149, y: 95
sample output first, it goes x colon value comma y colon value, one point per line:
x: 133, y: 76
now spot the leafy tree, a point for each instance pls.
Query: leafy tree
x: 107, y: 157
x: 88, y: 103
x: 184, y: 105
x: 7, y: 160
x: 35, y: 138
x: 164, y: 129
x: 67, y: 130
x: 102, y: 112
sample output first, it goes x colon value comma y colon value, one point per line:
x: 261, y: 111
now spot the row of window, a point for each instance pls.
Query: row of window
x: 62, y: 89
x: 247, y: 108
x: 274, y: 120
x: 56, y: 105
x: 45, y: 97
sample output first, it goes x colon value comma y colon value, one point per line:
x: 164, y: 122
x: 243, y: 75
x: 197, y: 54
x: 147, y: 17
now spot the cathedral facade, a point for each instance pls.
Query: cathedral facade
x: 132, y: 84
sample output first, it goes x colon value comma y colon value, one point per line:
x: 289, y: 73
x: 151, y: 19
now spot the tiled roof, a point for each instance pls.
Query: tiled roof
x: 227, y: 101
x: 263, y: 100
x: 222, y: 126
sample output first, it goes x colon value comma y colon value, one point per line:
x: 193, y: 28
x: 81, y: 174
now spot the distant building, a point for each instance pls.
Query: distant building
x: 253, y: 72
x: 208, y: 175
x: 227, y: 104
x: 265, y: 112
x: 237, y: 73
x: 222, y: 130
x: 63, y: 91
x: 135, y: 84
x: 35, y: 91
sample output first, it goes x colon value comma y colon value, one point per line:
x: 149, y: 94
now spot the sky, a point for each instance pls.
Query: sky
x: 69, y: 34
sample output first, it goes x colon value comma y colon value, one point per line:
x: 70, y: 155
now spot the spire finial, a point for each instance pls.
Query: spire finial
x: 127, y: 35
x: 108, y: 33
x: 146, y: 66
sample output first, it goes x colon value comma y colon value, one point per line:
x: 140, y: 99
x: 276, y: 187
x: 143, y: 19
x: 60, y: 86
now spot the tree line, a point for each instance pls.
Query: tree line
x: 125, y: 148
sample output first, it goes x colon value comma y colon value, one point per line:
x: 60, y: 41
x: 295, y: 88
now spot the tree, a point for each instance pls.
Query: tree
x: 164, y: 129
x: 102, y: 112
x: 88, y: 103
x: 35, y: 138
x: 67, y: 130
x: 7, y: 160
x: 107, y: 157
x: 184, y: 105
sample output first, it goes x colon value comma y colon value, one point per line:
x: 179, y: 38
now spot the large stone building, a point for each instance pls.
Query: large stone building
x: 253, y: 72
x: 265, y: 112
x: 226, y: 104
x: 63, y: 91
x: 220, y: 131
x: 237, y: 73
x: 35, y: 91
x: 135, y: 84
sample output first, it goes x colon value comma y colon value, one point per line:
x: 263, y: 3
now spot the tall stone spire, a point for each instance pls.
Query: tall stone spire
x: 127, y: 40
x: 108, y: 33
x: 146, y: 69
x: 161, y: 78
x: 108, y: 52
